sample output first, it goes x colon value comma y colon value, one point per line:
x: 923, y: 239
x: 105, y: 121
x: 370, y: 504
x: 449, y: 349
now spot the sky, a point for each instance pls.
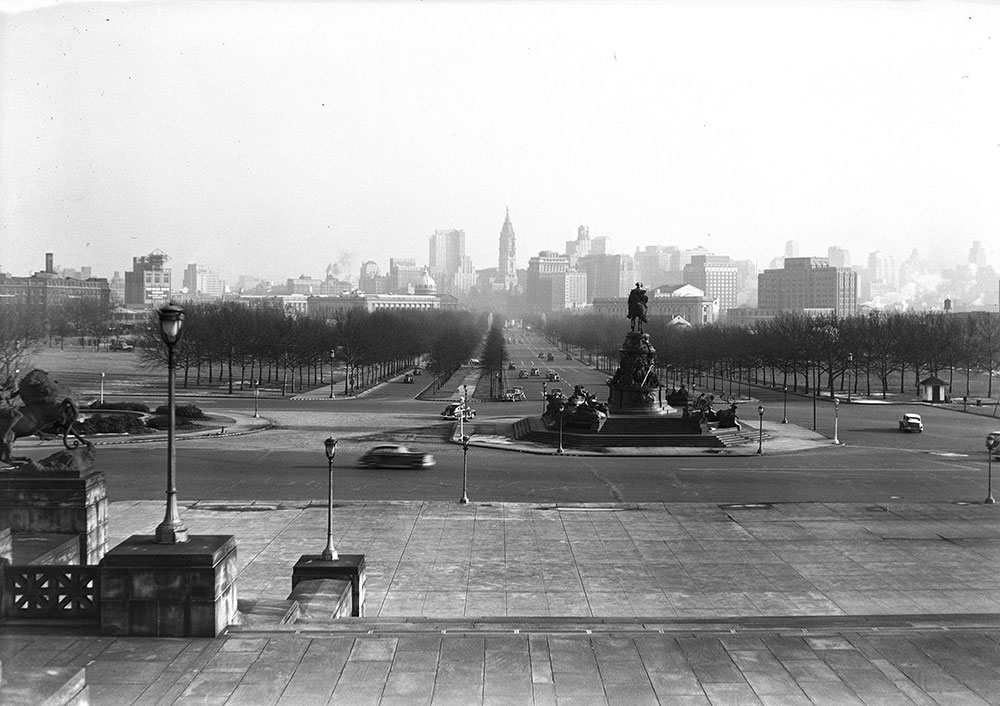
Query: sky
x: 274, y: 138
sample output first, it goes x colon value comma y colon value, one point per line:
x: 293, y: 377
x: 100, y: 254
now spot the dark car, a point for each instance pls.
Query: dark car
x: 395, y: 456
x: 453, y: 409
x: 408, y: 378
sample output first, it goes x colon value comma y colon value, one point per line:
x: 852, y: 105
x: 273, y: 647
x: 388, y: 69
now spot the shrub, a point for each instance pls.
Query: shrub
x: 182, y: 411
x: 161, y: 423
x: 126, y: 406
x: 112, y: 424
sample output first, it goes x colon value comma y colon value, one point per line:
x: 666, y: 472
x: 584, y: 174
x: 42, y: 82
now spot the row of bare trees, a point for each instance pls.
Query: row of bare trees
x: 866, y: 354
x: 232, y: 345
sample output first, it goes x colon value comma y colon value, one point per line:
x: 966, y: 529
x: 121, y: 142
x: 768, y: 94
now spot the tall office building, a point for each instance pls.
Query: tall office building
x: 198, y: 279
x: 541, y: 269
x: 838, y: 256
x: 148, y: 283
x: 715, y: 275
x: 608, y: 275
x: 808, y: 283
x: 569, y: 290
x: 575, y: 249
x: 447, y: 248
x: 404, y: 275
x: 657, y: 264
x: 507, y: 269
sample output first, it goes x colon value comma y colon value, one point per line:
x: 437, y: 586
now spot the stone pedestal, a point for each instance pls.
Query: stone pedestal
x: 169, y: 590
x: 71, y: 500
x: 350, y: 567
x: 634, y: 387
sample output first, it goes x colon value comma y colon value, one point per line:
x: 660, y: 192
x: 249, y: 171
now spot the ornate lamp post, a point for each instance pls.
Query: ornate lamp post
x: 544, y: 387
x: 784, y: 404
x: 329, y: 553
x: 464, y: 500
x: 256, y: 397
x: 561, y: 408
x: 836, y: 419
x: 760, y: 429
x: 171, y: 530
x: 102, y: 388
x: 992, y: 444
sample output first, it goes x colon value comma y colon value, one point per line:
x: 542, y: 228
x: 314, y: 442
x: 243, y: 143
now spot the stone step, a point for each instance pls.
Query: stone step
x: 44, y: 548
x: 24, y: 685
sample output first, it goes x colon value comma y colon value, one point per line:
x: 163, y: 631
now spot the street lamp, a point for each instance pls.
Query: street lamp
x: 850, y: 381
x: 329, y: 553
x: 760, y: 429
x: 561, y: 408
x: 992, y: 444
x: 544, y: 386
x: 171, y: 530
x: 333, y: 357
x: 465, y: 470
x: 102, y: 388
x: 256, y: 397
x: 836, y: 419
x: 784, y: 404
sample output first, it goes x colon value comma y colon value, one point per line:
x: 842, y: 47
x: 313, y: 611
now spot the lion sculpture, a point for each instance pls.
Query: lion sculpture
x: 47, y: 407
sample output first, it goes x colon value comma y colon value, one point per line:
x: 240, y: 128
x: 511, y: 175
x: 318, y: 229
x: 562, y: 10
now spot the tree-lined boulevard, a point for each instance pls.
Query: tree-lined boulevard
x: 876, y: 462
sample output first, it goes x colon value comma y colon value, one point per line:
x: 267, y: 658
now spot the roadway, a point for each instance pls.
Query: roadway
x: 875, y: 463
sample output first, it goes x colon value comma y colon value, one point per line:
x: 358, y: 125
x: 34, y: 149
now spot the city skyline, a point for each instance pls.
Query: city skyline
x: 274, y: 139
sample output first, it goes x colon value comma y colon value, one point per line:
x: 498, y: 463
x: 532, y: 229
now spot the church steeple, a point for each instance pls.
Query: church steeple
x: 507, y: 270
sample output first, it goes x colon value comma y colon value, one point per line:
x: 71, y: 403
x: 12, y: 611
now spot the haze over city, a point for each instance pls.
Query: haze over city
x: 275, y: 138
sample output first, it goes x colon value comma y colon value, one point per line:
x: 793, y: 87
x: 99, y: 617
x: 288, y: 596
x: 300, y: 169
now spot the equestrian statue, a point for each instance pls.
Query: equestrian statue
x: 47, y: 408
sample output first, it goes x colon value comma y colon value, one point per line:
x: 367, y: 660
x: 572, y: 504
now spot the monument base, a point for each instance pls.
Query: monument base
x: 169, y: 590
x: 348, y: 567
x: 61, y: 494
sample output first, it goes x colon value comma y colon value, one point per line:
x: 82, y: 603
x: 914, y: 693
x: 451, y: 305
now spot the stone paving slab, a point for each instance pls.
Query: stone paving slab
x: 591, y: 603
x: 781, y: 664
x: 446, y: 560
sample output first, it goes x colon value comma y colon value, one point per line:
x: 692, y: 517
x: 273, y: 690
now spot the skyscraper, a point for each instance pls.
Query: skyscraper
x: 507, y: 270
x: 716, y: 276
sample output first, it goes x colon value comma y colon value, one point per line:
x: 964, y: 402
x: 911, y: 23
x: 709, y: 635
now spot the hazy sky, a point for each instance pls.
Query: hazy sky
x: 273, y: 138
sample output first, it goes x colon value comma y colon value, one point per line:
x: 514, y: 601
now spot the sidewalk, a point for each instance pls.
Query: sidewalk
x: 499, y: 603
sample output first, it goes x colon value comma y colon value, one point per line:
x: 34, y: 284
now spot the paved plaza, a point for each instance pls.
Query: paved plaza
x: 496, y: 603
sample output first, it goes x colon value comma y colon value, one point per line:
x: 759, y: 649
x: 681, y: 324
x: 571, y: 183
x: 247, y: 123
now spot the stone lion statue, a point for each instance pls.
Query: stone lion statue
x: 47, y: 407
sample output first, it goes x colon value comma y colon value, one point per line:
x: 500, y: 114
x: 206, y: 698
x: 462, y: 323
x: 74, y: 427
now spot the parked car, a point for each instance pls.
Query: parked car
x: 452, y: 411
x: 522, y: 373
x: 122, y: 346
x: 510, y: 366
x: 534, y: 372
x: 911, y: 422
x: 395, y: 456
x: 408, y: 378
x: 514, y: 394
x: 552, y: 376
x: 417, y: 371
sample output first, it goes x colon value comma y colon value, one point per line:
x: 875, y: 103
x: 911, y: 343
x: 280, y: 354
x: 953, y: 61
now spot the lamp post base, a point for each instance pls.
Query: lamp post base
x: 348, y: 567
x: 169, y: 590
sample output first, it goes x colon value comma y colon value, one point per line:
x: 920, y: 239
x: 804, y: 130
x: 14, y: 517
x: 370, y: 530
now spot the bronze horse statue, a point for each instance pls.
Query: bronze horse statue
x: 48, y: 408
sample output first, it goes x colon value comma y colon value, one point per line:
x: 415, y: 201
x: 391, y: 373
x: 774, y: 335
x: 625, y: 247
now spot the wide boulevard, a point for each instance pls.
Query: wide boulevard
x: 874, y: 463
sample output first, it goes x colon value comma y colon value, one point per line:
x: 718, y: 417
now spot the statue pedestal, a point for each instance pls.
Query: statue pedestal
x: 348, y: 567
x: 169, y: 590
x: 634, y: 387
x: 58, y: 498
